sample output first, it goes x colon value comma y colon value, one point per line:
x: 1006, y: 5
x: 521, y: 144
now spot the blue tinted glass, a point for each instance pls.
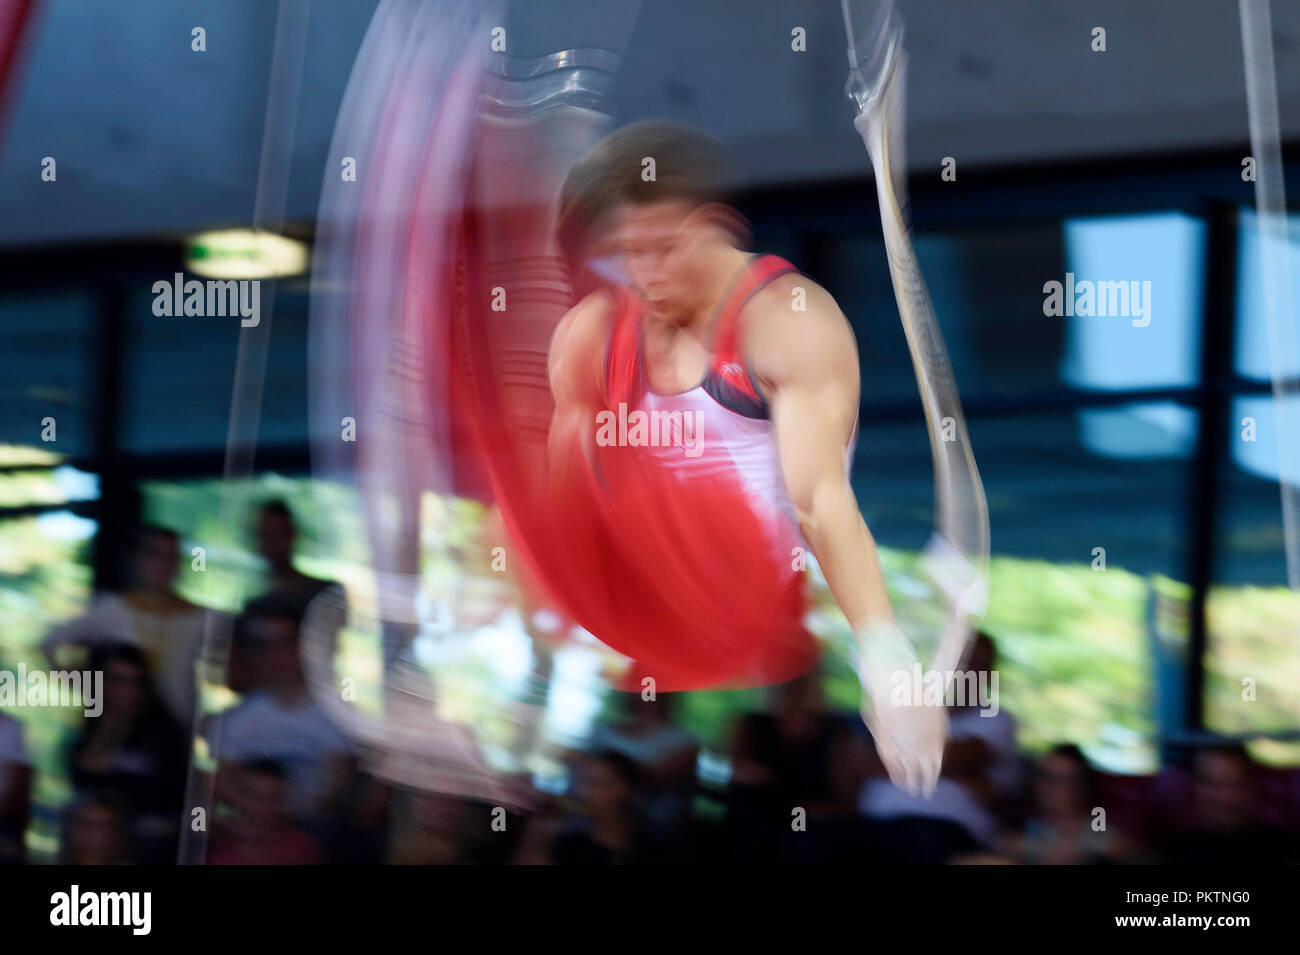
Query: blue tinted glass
x: 1257, y: 348
x: 1132, y: 296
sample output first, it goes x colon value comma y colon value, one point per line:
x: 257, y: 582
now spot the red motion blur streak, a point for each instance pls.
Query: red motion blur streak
x: 676, y: 574
x: 15, y: 15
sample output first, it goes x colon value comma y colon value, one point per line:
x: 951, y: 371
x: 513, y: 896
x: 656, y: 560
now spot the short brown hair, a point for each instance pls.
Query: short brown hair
x: 689, y: 165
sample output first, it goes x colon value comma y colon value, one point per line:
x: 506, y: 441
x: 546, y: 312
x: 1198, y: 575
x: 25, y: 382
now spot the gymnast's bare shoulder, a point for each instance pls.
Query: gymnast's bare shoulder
x: 577, y: 355
x: 796, y: 337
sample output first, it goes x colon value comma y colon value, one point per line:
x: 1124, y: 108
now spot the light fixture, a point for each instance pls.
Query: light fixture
x: 245, y: 254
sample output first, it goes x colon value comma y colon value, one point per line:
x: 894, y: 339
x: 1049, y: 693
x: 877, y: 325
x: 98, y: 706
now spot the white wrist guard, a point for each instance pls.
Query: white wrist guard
x: 882, y: 651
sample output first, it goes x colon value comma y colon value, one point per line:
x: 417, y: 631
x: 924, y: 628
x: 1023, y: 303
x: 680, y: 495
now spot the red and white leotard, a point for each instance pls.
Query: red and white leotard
x: 736, y: 436
x: 687, y: 564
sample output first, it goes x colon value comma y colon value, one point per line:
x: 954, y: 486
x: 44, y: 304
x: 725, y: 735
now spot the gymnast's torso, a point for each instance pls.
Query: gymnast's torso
x: 720, y: 429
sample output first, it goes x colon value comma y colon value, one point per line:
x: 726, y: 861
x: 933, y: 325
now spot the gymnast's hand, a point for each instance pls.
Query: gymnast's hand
x: 909, y: 733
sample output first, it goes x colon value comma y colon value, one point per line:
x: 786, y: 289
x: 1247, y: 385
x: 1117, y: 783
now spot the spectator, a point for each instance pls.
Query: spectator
x: 431, y: 828
x: 664, y: 753
x: 261, y: 832
x: 15, y: 791
x: 615, y: 831
x: 151, y: 616
x: 917, y: 831
x: 982, y: 748
x: 798, y: 757
x: 277, y: 537
x: 134, y: 751
x: 94, y: 832
x: 1062, y: 829
x: 979, y: 787
x: 1225, y: 831
x: 280, y: 721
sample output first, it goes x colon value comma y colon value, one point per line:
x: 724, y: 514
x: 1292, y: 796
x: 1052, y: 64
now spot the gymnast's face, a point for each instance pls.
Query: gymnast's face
x: 660, y: 244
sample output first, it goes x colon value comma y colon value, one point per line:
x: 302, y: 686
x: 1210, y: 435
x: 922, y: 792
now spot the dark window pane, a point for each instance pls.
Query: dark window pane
x: 45, y: 344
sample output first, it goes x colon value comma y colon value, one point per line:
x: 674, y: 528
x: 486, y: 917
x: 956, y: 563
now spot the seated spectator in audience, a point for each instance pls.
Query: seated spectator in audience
x: 152, y: 616
x: 280, y: 721
x: 540, y: 831
x: 799, y: 757
x: 664, y: 753
x: 261, y: 832
x: 15, y: 791
x: 94, y: 832
x: 1062, y: 830
x: 361, y: 835
x: 982, y: 735
x: 1226, y: 831
x: 614, y: 831
x: 918, y: 831
x: 959, y: 817
x: 135, y: 751
x: 980, y: 785
x: 430, y: 828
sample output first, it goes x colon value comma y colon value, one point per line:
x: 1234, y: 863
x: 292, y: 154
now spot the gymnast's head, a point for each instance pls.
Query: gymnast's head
x: 657, y: 195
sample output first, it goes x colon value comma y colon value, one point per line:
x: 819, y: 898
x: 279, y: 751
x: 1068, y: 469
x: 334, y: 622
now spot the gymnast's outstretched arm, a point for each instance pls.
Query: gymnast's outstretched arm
x: 807, y: 362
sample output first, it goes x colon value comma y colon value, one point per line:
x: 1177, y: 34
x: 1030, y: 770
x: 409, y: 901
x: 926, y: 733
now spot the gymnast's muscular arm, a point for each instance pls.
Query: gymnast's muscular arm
x: 807, y: 364
x: 576, y: 366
